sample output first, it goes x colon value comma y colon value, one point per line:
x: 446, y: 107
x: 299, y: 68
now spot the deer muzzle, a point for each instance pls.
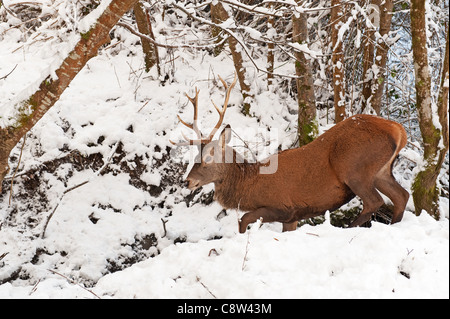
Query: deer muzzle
x: 193, y: 184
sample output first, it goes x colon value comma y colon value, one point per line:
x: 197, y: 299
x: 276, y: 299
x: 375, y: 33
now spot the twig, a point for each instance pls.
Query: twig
x: 75, y: 283
x: 17, y: 167
x: 164, y: 227
x: 143, y: 106
x: 246, y: 251
x: 4, y: 77
x: 167, y: 46
x: 8, y: 10
x: 204, y: 286
x: 312, y: 234
x: 33, y: 290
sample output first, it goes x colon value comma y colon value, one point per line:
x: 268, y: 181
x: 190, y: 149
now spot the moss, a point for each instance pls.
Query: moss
x: 307, y: 132
x: 425, y: 197
x: 22, y: 120
x: 32, y: 102
x: 86, y: 35
x: 25, y: 113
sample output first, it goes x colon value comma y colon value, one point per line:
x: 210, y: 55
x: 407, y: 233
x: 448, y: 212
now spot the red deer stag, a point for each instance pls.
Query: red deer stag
x: 355, y: 157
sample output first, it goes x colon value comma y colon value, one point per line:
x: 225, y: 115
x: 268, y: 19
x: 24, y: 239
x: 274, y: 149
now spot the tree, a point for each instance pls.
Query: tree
x: 144, y: 26
x: 375, y: 84
x: 368, y: 57
x: 307, y: 122
x: 219, y: 15
x: 432, y: 122
x: 35, y: 107
x: 337, y: 61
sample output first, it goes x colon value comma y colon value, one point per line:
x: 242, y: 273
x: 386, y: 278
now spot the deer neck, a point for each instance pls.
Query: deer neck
x: 236, y: 185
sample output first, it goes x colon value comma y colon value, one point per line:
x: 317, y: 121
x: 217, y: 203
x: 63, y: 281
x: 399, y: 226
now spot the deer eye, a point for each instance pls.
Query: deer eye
x: 208, y: 159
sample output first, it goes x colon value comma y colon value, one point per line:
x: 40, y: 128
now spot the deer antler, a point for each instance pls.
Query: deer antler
x: 225, y: 105
x: 194, y: 100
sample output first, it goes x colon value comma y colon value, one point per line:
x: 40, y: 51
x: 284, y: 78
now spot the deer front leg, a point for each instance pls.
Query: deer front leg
x: 290, y: 226
x: 268, y: 215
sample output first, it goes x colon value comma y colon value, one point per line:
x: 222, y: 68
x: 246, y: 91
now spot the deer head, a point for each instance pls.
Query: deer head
x: 213, y: 154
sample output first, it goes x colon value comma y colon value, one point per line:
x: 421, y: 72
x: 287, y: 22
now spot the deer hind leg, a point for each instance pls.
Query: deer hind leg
x: 386, y: 184
x: 372, y: 200
x: 268, y: 215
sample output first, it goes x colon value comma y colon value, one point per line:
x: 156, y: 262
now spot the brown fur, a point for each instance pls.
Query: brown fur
x: 354, y: 157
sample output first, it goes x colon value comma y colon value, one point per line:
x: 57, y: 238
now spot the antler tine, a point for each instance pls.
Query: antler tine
x: 225, y: 105
x: 194, y: 125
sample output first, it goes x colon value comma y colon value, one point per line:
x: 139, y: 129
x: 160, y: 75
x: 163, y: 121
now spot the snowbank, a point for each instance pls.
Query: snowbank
x: 407, y: 260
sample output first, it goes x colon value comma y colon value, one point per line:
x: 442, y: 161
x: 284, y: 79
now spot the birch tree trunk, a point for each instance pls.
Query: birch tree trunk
x: 50, y: 90
x: 307, y: 122
x: 432, y: 122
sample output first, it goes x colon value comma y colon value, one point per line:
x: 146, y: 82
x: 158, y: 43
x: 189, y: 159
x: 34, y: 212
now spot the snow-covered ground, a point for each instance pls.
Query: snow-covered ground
x: 407, y: 260
x: 126, y: 236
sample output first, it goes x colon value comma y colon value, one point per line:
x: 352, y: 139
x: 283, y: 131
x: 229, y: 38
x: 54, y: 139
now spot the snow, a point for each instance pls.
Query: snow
x: 314, y: 262
x: 89, y: 21
x: 90, y: 245
x: 407, y: 260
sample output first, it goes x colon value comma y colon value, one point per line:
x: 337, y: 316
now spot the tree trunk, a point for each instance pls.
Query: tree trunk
x: 216, y: 31
x: 144, y: 26
x: 443, y: 96
x: 307, y: 121
x: 369, y: 54
x: 219, y: 12
x: 270, y: 52
x: 50, y: 90
x: 337, y: 61
x: 425, y: 192
x: 386, y: 7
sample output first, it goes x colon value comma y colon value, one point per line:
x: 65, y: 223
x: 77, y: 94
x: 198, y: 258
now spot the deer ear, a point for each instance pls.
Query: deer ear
x: 225, y: 135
